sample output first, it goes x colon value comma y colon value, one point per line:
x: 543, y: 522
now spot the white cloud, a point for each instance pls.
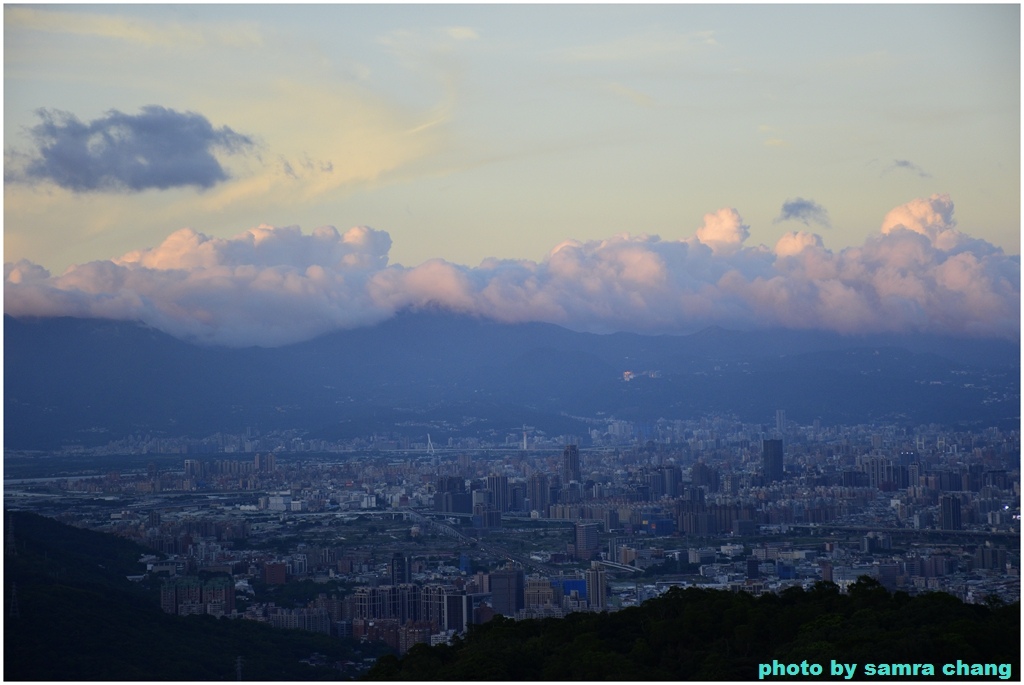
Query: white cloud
x: 795, y: 242
x: 723, y: 231
x: 272, y: 286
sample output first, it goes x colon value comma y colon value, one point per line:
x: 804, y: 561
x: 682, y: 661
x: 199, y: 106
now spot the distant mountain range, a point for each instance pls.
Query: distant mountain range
x: 90, y: 381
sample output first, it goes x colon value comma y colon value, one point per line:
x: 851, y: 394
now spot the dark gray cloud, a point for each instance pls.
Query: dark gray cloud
x: 909, y: 166
x: 157, y: 148
x: 804, y: 211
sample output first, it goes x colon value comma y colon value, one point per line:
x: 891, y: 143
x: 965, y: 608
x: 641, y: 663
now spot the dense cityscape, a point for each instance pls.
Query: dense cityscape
x: 403, y: 541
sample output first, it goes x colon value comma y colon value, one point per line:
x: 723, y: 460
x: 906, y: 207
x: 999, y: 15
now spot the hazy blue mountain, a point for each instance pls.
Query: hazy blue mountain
x: 90, y: 381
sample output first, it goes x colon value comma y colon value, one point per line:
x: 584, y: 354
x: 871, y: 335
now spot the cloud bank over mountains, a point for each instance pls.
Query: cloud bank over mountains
x: 273, y: 286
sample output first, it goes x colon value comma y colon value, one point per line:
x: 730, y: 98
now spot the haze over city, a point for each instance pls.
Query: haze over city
x: 261, y: 175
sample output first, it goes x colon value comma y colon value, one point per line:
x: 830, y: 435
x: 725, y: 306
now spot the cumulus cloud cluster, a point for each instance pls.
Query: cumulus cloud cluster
x: 272, y: 286
x: 158, y: 148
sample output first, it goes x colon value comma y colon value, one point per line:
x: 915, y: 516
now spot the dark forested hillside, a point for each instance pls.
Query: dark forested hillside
x: 77, y: 617
x: 716, y: 635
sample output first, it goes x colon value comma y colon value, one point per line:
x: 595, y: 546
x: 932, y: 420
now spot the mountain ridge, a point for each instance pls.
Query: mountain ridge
x: 74, y: 380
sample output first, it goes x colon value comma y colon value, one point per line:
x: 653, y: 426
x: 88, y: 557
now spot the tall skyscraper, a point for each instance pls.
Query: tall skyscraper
x: 538, y: 491
x: 458, y: 610
x: 771, y: 461
x: 949, y: 510
x: 656, y: 482
x: 508, y: 591
x: 673, y: 478
x: 882, y: 472
x: 597, y: 587
x: 400, y: 569
x: 445, y: 606
x: 571, y: 465
x: 498, y: 485
x: 586, y: 539
x: 780, y: 421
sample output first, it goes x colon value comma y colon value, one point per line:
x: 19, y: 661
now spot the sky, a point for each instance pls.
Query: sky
x: 260, y: 174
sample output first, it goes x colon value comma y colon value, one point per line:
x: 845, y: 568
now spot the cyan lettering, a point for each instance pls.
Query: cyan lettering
x: 776, y: 668
x: 845, y: 670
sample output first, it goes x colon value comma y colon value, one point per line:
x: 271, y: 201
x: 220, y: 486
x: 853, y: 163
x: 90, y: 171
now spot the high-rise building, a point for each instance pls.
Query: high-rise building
x: 508, y: 591
x: 400, y: 569
x: 571, y: 493
x: 673, y: 479
x: 771, y: 460
x: 432, y: 603
x: 450, y: 495
x: 538, y: 492
x: 914, y: 474
x: 597, y: 586
x: 445, y: 606
x: 949, y: 511
x: 538, y: 592
x: 450, y: 484
x: 397, y: 602
x: 571, y: 465
x: 989, y: 557
x: 458, y: 610
x: 190, y: 595
x: 708, y: 476
x: 780, y: 421
x: 655, y: 481
x: 586, y: 539
x: 219, y: 595
x: 882, y: 472
x: 498, y: 485
x: 517, y: 496
x: 265, y: 462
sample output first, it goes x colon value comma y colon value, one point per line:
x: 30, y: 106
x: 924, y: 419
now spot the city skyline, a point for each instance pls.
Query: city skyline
x: 262, y: 175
